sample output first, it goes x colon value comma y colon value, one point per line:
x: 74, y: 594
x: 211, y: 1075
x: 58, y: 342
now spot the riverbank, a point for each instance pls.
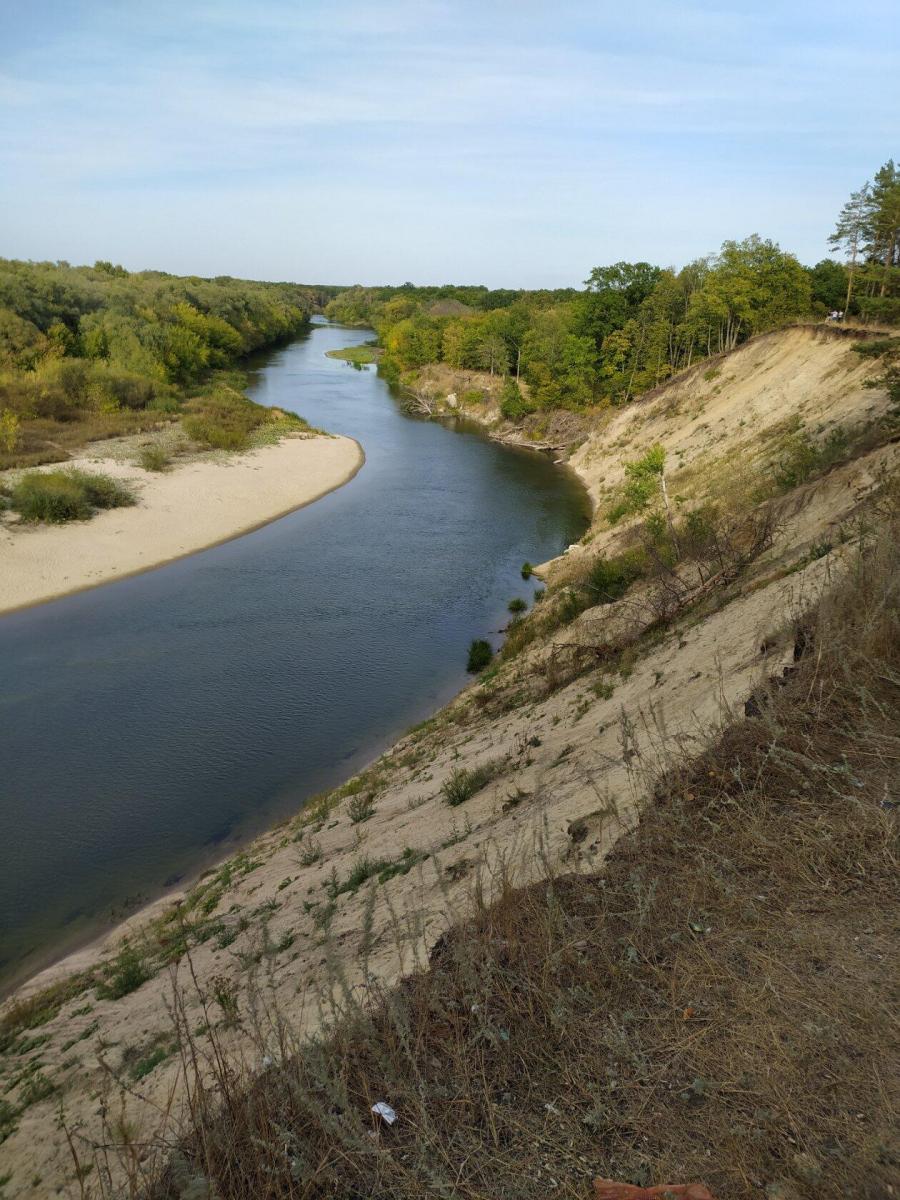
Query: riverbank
x: 543, y: 763
x: 195, y: 505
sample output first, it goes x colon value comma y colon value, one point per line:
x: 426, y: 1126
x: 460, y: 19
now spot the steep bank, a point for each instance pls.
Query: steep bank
x: 195, y: 505
x: 569, y: 736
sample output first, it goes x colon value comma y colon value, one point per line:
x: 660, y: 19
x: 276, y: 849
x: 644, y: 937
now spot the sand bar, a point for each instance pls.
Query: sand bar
x: 196, y: 505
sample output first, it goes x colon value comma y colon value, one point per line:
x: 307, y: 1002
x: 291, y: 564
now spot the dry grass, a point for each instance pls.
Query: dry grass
x: 47, y: 441
x: 715, y: 1004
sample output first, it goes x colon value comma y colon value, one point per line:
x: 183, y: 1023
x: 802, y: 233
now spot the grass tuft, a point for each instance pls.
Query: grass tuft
x: 59, y: 496
x: 462, y: 784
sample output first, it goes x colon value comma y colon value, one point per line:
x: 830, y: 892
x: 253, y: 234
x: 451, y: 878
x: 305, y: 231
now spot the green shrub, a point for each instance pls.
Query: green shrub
x: 102, y: 491
x: 461, y: 784
x: 875, y: 347
x: 59, y: 496
x: 610, y: 578
x: 480, y: 654
x: 154, y: 458
x: 214, y: 434
x: 124, y: 974
x: 10, y: 430
x: 642, y: 483
x: 802, y: 458
x: 224, y: 419
x: 144, y: 1066
x: 517, y: 605
x: 8, y: 1114
x: 513, y: 405
x: 409, y: 859
x: 54, y: 496
x: 310, y: 853
x: 361, y: 872
x: 360, y: 808
x: 35, y: 1089
x: 527, y: 570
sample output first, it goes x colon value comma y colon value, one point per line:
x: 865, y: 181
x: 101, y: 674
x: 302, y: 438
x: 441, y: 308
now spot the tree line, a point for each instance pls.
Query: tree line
x: 635, y: 324
x: 161, y: 327
x: 86, y: 346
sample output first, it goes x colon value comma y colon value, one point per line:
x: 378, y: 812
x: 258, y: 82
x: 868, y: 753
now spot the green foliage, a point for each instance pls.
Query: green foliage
x: 513, y: 405
x: 517, y: 605
x: 80, y: 340
x: 887, y: 349
x: 361, y: 872
x: 150, y: 1062
x: 360, y: 808
x: 154, y: 458
x: 403, y: 865
x: 10, y: 430
x: 608, y: 579
x: 527, y: 570
x: 8, y: 1115
x: 642, y: 483
x: 310, y: 852
x: 480, y: 654
x: 37, y: 1087
x: 877, y: 347
x: 632, y: 328
x: 59, y: 496
x: 752, y: 286
x: 224, y: 419
x: 357, y: 355
x: 828, y: 283
x: 462, y: 784
x: 613, y: 296
x: 801, y: 458
x: 365, y: 868
x: 868, y: 231
x: 123, y: 974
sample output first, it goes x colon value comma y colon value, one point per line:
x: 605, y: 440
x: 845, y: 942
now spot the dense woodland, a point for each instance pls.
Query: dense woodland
x: 89, y: 352
x: 636, y: 324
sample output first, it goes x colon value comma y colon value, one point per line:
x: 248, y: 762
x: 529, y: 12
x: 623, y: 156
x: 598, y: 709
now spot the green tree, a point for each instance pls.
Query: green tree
x: 850, y: 232
x: 752, y: 286
x: 831, y: 285
x: 884, y: 222
x: 612, y: 296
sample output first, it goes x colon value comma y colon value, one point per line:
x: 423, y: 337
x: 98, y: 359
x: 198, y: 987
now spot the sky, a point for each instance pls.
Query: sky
x: 505, y: 142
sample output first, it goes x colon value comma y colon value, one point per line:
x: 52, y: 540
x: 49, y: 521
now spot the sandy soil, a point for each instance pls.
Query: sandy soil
x: 195, y: 505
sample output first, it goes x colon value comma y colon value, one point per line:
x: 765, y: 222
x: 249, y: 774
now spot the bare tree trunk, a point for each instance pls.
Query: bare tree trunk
x: 669, y: 521
x: 888, y: 260
x: 850, y: 273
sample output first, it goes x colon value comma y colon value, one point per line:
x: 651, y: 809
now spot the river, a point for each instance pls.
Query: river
x: 150, y: 725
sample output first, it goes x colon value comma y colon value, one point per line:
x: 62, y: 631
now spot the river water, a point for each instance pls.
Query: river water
x: 148, y: 726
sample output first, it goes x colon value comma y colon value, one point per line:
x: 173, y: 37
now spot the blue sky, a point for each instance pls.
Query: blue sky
x: 505, y: 142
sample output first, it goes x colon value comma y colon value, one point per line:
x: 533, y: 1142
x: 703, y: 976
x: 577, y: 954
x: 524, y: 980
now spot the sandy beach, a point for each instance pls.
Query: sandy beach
x: 195, y: 505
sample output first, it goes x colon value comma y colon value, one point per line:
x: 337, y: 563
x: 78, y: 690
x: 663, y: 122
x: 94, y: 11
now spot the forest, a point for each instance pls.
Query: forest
x: 91, y: 352
x: 88, y: 352
x: 636, y: 324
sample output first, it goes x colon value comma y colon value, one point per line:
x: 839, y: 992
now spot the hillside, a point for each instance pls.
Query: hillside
x: 655, y: 635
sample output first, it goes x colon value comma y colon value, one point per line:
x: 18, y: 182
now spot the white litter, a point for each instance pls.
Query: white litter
x: 385, y: 1112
